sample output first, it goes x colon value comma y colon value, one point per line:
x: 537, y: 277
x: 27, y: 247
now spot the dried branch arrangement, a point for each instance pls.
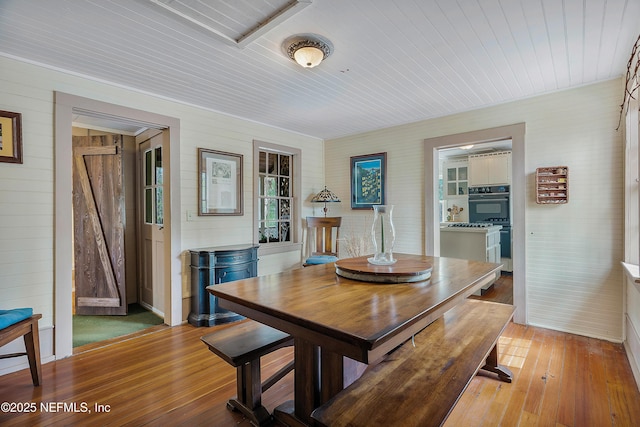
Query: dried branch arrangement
x: 358, y: 243
x: 632, y: 82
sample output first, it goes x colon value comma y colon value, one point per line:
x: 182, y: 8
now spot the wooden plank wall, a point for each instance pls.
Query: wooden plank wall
x: 573, y: 252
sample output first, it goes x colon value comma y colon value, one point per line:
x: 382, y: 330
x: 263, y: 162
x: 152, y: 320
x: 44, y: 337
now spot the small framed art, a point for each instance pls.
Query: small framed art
x: 219, y: 183
x: 10, y: 137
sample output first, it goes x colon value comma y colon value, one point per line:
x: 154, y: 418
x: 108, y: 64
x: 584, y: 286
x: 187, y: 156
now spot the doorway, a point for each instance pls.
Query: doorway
x: 67, y: 109
x: 432, y: 146
x: 150, y: 220
x: 108, y: 294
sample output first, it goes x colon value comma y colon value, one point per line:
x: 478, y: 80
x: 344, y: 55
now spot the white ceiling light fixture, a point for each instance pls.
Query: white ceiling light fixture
x: 308, y: 50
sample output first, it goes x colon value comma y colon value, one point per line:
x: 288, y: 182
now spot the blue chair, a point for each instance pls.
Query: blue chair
x: 322, y: 236
x: 21, y: 322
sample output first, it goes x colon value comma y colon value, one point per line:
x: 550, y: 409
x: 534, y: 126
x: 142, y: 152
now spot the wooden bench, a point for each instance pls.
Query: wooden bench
x: 28, y: 329
x: 242, y: 345
x: 419, y: 386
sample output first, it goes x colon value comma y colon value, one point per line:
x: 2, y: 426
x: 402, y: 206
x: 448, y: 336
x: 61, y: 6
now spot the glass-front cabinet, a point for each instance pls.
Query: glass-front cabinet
x: 456, y: 179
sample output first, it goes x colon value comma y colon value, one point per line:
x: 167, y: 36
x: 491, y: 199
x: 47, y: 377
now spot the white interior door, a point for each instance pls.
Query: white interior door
x: 151, y: 221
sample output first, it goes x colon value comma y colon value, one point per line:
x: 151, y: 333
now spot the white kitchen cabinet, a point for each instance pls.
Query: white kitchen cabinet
x: 490, y: 168
x: 473, y: 243
x: 456, y: 179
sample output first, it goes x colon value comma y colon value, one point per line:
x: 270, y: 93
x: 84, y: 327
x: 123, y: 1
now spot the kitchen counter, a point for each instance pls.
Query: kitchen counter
x: 473, y: 243
x: 491, y: 229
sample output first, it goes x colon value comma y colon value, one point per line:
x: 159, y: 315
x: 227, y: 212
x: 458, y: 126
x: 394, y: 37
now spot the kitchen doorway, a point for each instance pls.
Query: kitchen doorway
x: 432, y: 147
x: 475, y: 201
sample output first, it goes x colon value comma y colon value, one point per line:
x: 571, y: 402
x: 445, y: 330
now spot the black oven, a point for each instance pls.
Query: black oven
x: 492, y: 204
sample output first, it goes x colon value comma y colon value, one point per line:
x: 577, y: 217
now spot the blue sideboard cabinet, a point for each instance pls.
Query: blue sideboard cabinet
x: 211, y: 266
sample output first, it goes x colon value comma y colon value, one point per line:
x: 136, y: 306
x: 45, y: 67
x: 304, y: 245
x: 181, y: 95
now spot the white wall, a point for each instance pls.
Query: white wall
x: 27, y: 190
x: 574, y: 279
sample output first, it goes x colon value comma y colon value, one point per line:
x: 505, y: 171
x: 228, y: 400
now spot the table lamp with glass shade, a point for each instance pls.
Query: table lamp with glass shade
x: 325, y: 196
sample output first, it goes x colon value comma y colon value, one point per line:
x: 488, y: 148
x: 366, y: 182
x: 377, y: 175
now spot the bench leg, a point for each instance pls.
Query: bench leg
x: 492, y: 365
x: 32, y: 346
x: 249, y: 399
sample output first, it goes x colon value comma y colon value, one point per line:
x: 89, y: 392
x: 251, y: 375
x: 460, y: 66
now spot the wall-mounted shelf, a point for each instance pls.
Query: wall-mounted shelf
x: 552, y: 185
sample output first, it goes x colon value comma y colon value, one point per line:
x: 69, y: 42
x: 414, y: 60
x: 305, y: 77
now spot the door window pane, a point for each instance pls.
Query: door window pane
x: 148, y: 205
x: 159, y: 206
x: 153, y: 192
x: 148, y: 168
x: 158, y: 165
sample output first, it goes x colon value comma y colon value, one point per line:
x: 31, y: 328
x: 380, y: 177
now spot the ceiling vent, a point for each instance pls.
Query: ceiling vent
x: 239, y: 24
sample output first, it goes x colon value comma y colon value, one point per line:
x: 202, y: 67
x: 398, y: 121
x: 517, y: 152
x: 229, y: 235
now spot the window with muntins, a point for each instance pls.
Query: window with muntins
x: 275, y: 207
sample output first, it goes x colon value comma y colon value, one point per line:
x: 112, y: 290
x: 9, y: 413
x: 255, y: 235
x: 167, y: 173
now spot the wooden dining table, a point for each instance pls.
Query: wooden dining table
x: 339, y: 325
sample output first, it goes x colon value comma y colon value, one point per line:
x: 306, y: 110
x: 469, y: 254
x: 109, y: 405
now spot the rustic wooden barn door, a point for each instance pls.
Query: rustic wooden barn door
x: 98, y: 212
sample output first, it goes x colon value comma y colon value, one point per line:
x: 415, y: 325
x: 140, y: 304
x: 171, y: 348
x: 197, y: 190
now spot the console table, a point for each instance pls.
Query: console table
x: 212, y: 266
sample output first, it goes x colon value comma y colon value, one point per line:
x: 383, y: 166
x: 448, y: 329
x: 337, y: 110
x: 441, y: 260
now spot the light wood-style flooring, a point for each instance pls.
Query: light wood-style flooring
x: 167, y: 377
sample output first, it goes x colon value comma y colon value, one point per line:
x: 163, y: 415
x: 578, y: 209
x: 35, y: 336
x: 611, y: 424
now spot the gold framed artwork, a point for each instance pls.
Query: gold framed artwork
x: 219, y: 183
x: 10, y: 137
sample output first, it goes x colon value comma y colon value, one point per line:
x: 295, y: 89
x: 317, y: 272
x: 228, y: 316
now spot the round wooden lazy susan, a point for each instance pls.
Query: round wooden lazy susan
x: 406, y: 270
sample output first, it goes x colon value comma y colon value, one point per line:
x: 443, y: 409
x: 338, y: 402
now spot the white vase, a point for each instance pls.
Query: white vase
x: 383, y: 235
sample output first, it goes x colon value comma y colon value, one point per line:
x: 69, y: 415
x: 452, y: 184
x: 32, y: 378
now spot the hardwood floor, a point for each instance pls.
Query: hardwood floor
x: 501, y: 291
x: 168, y: 378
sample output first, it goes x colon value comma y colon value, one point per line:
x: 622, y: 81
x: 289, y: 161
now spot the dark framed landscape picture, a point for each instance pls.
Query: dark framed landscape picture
x: 10, y: 137
x: 368, y: 180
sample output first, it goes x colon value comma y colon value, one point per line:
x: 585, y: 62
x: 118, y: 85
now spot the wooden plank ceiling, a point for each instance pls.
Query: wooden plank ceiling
x: 395, y: 61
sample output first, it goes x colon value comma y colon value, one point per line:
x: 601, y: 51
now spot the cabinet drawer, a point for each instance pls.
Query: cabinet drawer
x: 229, y: 258
x: 236, y: 272
x: 211, y: 257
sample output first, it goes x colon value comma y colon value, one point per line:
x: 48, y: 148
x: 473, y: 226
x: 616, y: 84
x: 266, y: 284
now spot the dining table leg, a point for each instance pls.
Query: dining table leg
x: 307, y: 385
x: 318, y: 376
x: 331, y: 375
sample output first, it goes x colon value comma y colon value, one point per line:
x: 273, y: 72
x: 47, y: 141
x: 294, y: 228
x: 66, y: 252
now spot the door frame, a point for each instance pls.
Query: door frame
x: 66, y: 106
x: 516, y: 133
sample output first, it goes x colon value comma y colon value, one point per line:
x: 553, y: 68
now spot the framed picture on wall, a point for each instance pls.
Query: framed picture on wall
x: 368, y: 174
x: 10, y: 137
x: 219, y: 183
